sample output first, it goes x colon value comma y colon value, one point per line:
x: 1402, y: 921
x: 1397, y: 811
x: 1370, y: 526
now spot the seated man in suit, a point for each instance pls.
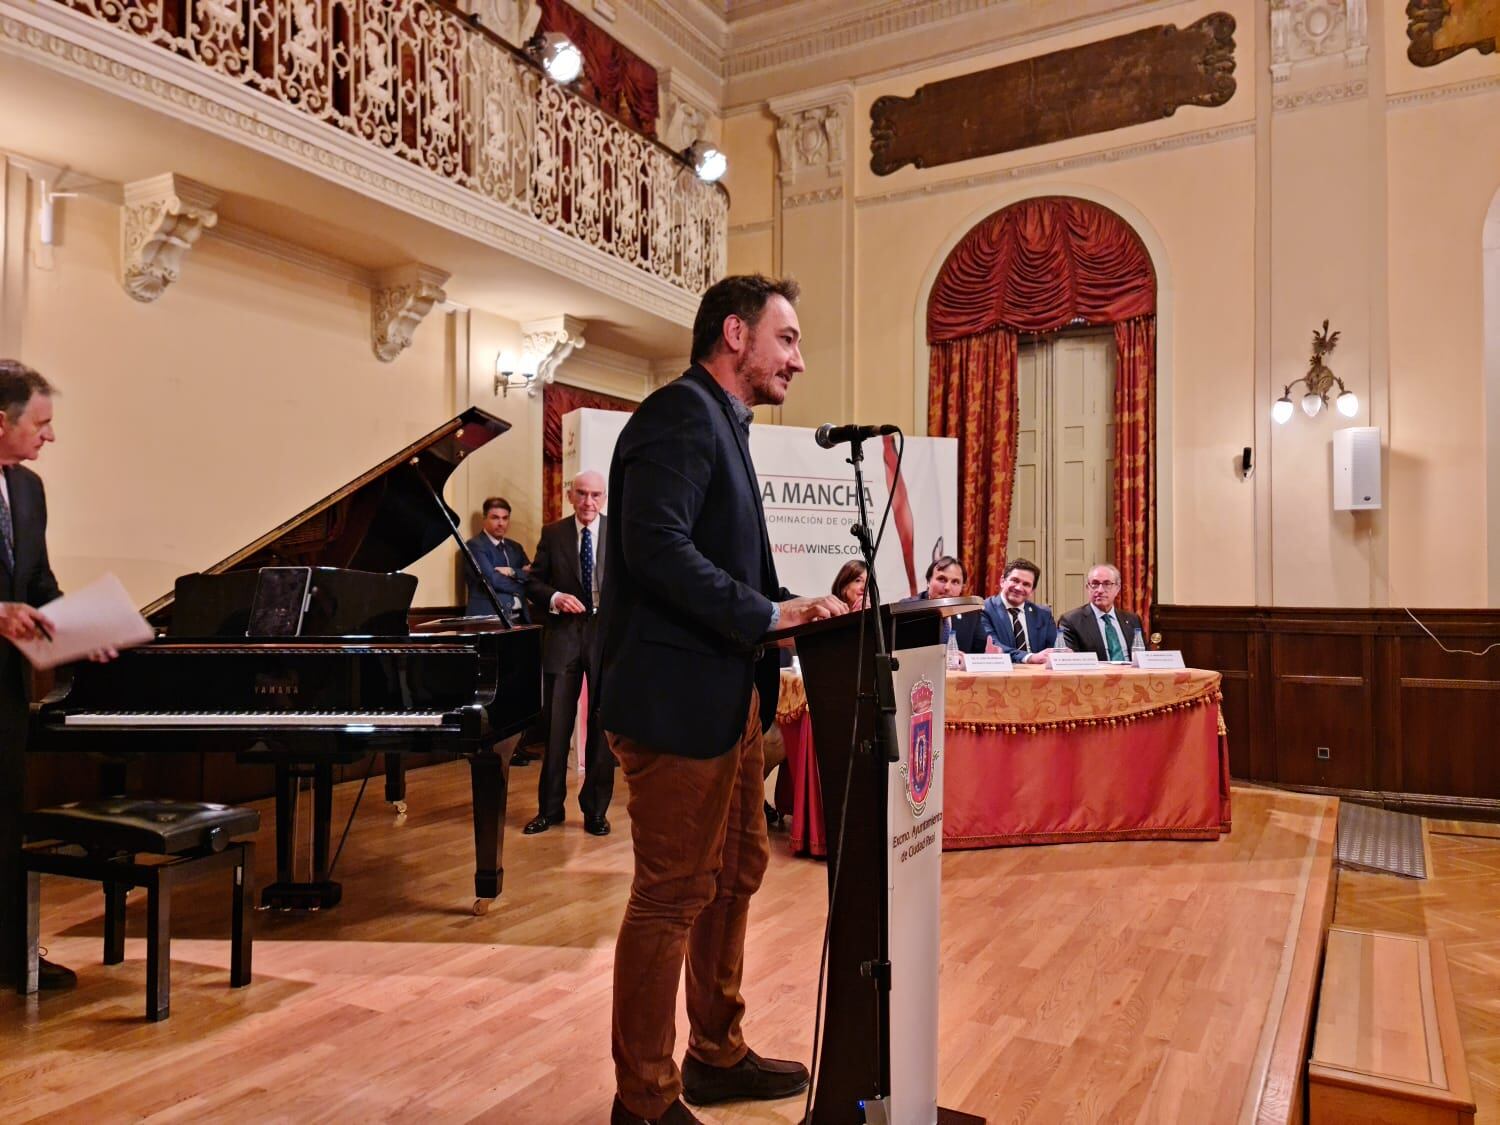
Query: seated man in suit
x: 1015, y: 623
x: 504, y: 563
x: 564, y: 586
x: 945, y: 579
x: 1100, y: 627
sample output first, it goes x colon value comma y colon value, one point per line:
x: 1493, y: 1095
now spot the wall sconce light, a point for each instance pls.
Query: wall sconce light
x: 514, y: 375
x: 558, y: 55
x: 1319, y: 381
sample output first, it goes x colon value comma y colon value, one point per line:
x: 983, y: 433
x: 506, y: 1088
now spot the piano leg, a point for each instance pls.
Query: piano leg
x: 287, y: 893
x: 489, y: 775
x: 395, y: 782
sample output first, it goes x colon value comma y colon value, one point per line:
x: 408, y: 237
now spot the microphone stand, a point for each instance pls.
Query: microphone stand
x: 885, y: 685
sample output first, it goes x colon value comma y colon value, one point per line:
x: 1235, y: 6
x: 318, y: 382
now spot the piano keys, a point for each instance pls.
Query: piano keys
x: 352, y: 682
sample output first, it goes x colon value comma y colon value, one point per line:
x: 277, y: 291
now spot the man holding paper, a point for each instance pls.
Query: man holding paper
x: 26, y: 581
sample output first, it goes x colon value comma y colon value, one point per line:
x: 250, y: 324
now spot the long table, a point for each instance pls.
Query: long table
x: 1038, y: 757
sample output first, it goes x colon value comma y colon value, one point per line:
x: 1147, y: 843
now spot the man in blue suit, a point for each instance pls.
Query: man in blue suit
x: 504, y: 563
x: 1017, y: 624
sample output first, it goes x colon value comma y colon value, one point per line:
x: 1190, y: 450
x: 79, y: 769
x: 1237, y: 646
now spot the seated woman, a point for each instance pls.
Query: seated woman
x: 850, y: 583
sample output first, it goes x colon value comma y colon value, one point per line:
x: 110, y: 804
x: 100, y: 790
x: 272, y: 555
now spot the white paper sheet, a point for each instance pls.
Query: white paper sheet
x: 101, y: 615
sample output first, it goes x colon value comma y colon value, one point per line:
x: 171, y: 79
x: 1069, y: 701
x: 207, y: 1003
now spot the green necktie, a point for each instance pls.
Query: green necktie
x: 1112, y: 637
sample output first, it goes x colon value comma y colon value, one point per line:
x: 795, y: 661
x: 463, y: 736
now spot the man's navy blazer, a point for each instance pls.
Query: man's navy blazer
x: 1041, y: 630
x: 30, y: 580
x: 489, y: 556
x: 690, y: 581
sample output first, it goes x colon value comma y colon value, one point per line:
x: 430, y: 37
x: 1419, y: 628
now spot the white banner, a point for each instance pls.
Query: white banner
x: 914, y: 872
x: 809, y: 498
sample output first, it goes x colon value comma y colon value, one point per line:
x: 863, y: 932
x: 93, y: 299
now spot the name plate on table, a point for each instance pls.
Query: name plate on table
x: 1160, y: 659
x: 1073, y: 661
x: 988, y: 663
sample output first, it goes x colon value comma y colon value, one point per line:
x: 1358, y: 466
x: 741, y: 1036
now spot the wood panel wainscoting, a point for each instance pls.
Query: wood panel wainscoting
x: 1361, y: 703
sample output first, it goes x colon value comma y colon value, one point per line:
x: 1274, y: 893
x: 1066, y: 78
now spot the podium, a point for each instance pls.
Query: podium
x: 878, y: 1055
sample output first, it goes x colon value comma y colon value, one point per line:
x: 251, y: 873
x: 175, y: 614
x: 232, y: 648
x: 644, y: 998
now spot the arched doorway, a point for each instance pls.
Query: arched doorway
x: 1035, y: 268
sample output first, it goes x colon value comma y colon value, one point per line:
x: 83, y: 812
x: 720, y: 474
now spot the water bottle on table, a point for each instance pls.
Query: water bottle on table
x: 1137, y: 646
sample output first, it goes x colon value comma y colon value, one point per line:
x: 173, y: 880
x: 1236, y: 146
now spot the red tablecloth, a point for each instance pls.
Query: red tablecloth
x: 1051, y: 757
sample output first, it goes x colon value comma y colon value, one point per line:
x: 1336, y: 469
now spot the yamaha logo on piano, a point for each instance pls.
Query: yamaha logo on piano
x: 275, y: 684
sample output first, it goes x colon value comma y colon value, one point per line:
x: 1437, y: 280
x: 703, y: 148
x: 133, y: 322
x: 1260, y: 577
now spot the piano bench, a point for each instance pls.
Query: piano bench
x: 181, y: 840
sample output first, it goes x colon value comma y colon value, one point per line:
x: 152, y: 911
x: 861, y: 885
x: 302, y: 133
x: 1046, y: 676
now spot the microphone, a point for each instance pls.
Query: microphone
x: 828, y: 435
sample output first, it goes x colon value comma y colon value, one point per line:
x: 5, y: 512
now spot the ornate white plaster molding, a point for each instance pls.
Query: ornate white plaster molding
x: 81, y: 48
x: 1304, y: 31
x: 686, y: 111
x: 760, y: 226
x: 812, y: 198
x: 663, y: 371
x: 1323, y: 95
x: 161, y: 220
x: 811, y: 132
x: 608, y: 372
x: 681, y: 32
x: 1053, y: 167
x: 402, y: 297
x: 551, y: 341
x: 1443, y: 93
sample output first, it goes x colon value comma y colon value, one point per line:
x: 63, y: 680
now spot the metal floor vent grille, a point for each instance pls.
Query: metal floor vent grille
x: 1372, y: 839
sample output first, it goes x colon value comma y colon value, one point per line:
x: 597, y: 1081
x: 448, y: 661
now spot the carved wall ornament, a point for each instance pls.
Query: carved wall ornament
x: 1440, y: 29
x: 685, y: 112
x: 1304, y: 30
x: 162, y: 218
x: 810, y: 133
x: 1095, y: 88
x: 402, y: 298
x: 550, y: 341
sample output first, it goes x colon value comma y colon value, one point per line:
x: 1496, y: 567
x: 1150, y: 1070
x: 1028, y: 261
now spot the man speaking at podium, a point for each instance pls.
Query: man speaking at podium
x: 690, y: 592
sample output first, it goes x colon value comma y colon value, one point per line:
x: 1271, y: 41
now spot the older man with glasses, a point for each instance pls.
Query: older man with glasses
x: 1100, y: 627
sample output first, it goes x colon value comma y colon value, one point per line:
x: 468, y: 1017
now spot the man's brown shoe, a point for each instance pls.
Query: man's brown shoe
x: 751, y: 1079
x: 676, y: 1114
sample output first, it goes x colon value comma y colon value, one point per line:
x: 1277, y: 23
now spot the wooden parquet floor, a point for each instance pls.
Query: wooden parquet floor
x: 1093, y: 982
x: 1459, y: 902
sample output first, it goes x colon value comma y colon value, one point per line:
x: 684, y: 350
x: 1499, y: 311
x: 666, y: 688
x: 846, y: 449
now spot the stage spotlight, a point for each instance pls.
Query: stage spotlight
x: 708, y: 162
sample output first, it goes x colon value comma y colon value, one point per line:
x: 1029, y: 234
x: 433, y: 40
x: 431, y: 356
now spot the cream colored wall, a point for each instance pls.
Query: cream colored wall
x: 1291, y: 203
x: 1444, y: 171
x: 190, y: 426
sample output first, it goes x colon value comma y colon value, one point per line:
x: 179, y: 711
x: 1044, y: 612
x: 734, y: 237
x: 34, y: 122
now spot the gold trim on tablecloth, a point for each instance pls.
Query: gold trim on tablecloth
x: 1029, y: 699
x: 791, y: 704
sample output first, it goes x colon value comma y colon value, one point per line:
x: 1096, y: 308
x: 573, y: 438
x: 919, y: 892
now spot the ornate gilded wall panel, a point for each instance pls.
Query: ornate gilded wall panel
x: 1440, y: 29
x: 1111, y: 84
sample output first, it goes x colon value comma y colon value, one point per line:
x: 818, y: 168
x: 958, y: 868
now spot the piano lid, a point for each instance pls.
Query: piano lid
x: 384, y: 520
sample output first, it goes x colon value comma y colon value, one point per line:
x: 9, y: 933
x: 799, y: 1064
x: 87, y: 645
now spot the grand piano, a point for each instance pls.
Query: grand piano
x: 340, y: 676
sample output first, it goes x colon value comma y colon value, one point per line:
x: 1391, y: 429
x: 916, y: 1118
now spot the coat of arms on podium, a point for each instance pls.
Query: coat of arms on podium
x: 921, y: 751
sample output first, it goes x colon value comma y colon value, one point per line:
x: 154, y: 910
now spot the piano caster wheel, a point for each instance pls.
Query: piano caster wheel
x: 482, y: 906
x: 400, y: 807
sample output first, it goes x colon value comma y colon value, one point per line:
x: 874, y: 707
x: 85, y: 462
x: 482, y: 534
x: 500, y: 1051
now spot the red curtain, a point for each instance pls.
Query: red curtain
x: 557, y: 400
x: 614, y: 78
x: 1134, y: 486
x: 971, y: 395
x: 1039, y: 266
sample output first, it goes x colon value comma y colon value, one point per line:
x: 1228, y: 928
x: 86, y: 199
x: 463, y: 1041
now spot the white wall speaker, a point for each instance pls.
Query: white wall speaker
x: 1356, y: 469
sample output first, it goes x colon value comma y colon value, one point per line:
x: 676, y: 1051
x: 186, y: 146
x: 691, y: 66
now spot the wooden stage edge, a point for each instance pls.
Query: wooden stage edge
x: 1144, y: 981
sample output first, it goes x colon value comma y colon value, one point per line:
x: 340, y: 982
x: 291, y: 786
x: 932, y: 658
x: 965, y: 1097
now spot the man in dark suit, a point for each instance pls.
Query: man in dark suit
x: 504, y: 563
x: 945, y: 579
x: 26, y: 581
x: 564, y: 586
x: 689, y: 690
x: 1100, y: 627
x: 1015, y: 623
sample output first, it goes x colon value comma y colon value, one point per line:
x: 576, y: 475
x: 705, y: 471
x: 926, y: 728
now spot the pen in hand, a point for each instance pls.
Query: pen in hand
x: 46, y: 634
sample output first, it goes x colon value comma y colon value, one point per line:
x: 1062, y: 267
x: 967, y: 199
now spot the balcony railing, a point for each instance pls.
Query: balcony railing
x: 414, y: 78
